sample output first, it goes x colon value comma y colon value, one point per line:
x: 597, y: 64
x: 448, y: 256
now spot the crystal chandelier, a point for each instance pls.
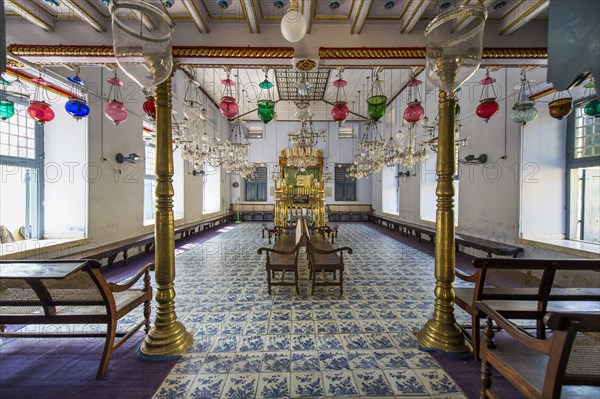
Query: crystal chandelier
x: 407, y: 153
x: 371, y: 155
x: 303, y: 153
x: 432, y: 131
x: 236, y: 151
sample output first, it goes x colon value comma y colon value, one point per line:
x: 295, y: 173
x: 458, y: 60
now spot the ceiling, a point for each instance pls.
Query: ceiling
x: 206, y: 35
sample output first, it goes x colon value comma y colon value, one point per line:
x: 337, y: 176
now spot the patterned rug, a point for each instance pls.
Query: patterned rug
x: 250, y: 344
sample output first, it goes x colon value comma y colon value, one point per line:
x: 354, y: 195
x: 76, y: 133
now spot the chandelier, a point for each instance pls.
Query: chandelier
x: 236, y: 150
x: 407, y: 153
x: 433, y: 129
x: 371, y: 153
x: 303, y: 153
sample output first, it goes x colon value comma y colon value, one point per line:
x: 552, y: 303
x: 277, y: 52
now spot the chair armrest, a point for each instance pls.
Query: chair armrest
x: 513, y: 330
x: 330, y: 251
x: 278, y: 251
x: 114, y: 287
x: 470, y: 278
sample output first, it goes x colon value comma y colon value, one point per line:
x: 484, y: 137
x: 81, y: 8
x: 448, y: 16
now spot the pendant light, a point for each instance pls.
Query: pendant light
x: 7, y: 107
x: 340, y: 110
x: 488, y: 106
x: 228, y: 107
x: 266, y: 105
x: 114, y: 110
x: 524, y: 109
x: 40, y: 109
x: 592, y: 108
x: 149, y: 107
x: 77, y: 107
x: 414, y: 112
x: 143, y: 45
x: 377, y: 101
x: 559, y: 107
x: 293, y: 23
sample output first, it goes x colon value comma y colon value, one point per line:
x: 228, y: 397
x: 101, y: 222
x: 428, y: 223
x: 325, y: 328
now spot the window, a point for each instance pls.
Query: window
x: 583, y: 176
x: 389, y: 190
x: 256, y: 188
x: 149, y: 181
x: 345, y: 186
x: 212, y: 189
x: 21, y: 151
x: 345, y: 132
x: 254, y: 132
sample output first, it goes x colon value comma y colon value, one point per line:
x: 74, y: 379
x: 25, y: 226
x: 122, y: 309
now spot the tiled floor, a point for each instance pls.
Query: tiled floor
x: 250, y: 344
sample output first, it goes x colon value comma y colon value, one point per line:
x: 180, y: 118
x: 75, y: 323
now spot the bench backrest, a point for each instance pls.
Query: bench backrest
x: 543, y: 289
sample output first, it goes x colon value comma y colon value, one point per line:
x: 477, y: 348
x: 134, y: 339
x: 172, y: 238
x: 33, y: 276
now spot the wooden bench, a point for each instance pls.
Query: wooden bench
x: 70, y: 292
x: 283, y: 257
x: 530, y: 302
x: 323, y: 257
x: 566, y: 365
x: 350, y: 212
x: 253, y: 212
x: 111, y: 251
x: 461, y: 240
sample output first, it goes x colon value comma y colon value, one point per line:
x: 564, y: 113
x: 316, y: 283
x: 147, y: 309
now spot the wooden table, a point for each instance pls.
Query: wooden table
x: 37, y: 270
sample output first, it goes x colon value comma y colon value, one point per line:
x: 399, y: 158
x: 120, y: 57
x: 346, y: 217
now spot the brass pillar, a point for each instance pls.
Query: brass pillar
x: 441, y: 332
x: 168, y: 337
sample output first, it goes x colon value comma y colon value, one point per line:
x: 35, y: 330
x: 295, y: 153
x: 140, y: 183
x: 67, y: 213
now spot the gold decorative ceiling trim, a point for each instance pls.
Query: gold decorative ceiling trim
x: 178, y: 51
x: 419, y: 53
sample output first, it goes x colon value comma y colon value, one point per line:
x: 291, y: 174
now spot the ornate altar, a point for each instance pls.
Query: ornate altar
x: 300, y: 191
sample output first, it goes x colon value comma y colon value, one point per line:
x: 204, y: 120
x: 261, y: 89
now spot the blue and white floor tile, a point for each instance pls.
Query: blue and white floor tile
x: 249, y: 344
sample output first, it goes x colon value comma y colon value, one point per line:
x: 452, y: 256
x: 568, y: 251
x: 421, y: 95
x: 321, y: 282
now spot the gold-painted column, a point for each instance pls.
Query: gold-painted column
x: 441, y: 332
x: 168, y: 337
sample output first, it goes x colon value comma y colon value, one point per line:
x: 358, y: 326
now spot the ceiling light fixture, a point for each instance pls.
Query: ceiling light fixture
x: 144, y: 54
x: 293, y: 23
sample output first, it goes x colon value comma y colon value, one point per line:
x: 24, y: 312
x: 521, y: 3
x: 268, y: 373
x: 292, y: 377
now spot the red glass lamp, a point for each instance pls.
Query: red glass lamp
x: 488, y: 106
x: 39, y: 109
x: 414, y: 112
x: 228, y: 107
x: 340, y: 109
x: 149, y: 107
x: 115, y: 110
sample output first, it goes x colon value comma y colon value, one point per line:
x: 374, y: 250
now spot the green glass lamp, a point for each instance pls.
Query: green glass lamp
x: 592, y: 108
x: 377, y: 102
x: 266, y: 106
x: 7, y: 107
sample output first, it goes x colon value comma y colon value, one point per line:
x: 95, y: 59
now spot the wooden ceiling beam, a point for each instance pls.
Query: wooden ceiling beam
x: 197, y: 14
x: 413, y: 14
x: 32, y: 13
x: 521, y: 15
x: 359, y: 16
x: 84, y: 11
x: 251, y: 15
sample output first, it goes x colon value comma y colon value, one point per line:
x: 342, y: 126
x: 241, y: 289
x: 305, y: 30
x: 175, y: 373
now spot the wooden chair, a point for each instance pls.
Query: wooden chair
x: 565, y: 365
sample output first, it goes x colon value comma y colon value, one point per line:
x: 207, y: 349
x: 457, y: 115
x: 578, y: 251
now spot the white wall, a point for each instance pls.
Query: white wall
x: 335, y: 150
x: 65, y: 175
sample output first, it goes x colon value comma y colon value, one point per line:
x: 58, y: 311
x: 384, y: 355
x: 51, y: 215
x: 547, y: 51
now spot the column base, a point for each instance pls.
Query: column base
x: 167, y: 343
x: 447, y: 339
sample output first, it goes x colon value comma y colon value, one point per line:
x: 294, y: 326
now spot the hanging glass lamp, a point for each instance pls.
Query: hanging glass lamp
x: 488, y: 106
x: 77, y: 107
x: 7, y: 107
x: 524, y: 109
x: 266, y: 105
x: 592, y: 108
x: 149, y: 107
x: 560, y: 107
x: 377, y: 102
x: 340, y: 109
x: 114, y: 110
x: 228, y: 107
x: 143, y: 45
x: 39, y: 109
x: 414, y: 112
